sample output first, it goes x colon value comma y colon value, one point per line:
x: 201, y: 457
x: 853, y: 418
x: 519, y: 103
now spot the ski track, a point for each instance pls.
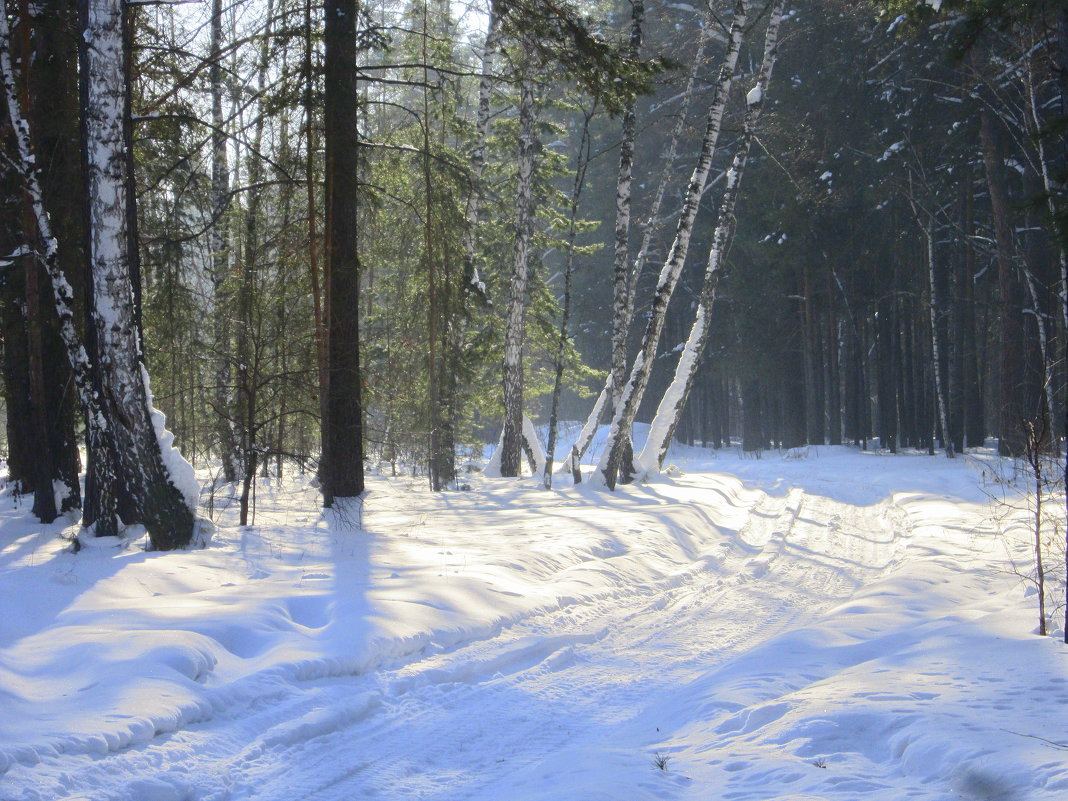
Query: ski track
x: 593, y: 665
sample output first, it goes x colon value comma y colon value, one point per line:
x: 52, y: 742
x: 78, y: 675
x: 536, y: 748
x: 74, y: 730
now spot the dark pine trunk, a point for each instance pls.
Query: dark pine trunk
x: 342, y: 473
x: 1011, y: 412
x: 753, y: 439
x: 41, y: 400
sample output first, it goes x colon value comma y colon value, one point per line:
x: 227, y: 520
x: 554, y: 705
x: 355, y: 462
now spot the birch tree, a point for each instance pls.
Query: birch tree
x: 144, y: 488
x: 472, y: 281
x: 621, y: 282
x: 934, y: 309
x: 131, y: 485
x: 649, y: 227
x: 42, y: 444
x: 674, y: 401
x: 627, y: 408
x: 511, y: 444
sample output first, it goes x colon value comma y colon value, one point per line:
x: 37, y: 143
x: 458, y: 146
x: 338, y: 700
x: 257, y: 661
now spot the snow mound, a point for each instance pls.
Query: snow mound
x: 180, y: 471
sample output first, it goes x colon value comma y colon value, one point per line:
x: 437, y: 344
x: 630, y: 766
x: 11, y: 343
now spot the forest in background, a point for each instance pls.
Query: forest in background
x: 522, y: 204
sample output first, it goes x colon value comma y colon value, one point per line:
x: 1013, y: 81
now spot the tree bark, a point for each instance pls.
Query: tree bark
x: 649, y: 228
x: 811, y: 343
x: 220, y: 254
x: 1011, y: 439
x: 144, y: 490
x: 43, y: 455
x: 622, y: 301
x: 512, y: 434
x: 311, y: 186
x: 13, y: 328
x: 472, y: 281
x: 974, y: 423
x: 627, y: 408
x: 582, y: 162
x: 55, y: 114
x: 671, y: 405
x: 938, y: 360
x: 249, y: 338
x: 343, y: 429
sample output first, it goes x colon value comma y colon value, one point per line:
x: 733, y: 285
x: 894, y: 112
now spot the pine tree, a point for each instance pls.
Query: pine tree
x: 341, y: 467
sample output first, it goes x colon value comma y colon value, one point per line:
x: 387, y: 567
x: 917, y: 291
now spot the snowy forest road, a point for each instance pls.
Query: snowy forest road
x: 571, y: 695
x: 545, y: 702
x: 845, y: 626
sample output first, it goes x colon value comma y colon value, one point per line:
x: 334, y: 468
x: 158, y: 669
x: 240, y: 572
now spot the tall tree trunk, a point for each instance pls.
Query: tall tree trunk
x: 512, y: 434
x: 343, y: 429
x: 674, y: 401
x: 319, y: 299
x: 220, y: 254
x: 955, y: 279
x: 582, y: 162
x: 811, y: 343
x: 44, y: 498
x: 144, y: 489
x: 834, y: 350
x: 938, y: 356
x: 13, y: 327
x: 974, y: 427
x: 249, y: 338
x: 1011, y: 439
x: 621, y: 279
x: 443, y: 324
x: 43, y: 455
x: 649, y: 228
x: 1061, y: 229
x: 56, y: 117
x: 627, y: 408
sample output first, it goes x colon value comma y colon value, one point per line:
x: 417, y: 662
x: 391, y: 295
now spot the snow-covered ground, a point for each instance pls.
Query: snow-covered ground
x: 841, y: 626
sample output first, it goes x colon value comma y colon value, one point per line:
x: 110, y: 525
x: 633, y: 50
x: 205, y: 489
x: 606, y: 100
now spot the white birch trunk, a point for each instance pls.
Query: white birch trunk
x: 511, y: 445
x: 1043, y: 342
x: 671, y: 405
x: 627, y: 408
x: 1050, y: 190
x: 529, y: 444
x: 1048, y: 184
x: 936, y: 345
x: 96, y: 424
x: 621, y: 284
x: 621, y: 300
x: 146, y: 491
x: 649, y: 228
x: 651, y: 224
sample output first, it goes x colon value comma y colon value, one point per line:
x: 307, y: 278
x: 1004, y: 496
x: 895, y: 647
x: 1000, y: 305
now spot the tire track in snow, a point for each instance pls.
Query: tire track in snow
x: 584, y: 673
x: 554, y: 678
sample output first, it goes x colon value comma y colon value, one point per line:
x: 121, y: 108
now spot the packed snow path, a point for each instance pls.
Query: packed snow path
x: 507, y: 643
